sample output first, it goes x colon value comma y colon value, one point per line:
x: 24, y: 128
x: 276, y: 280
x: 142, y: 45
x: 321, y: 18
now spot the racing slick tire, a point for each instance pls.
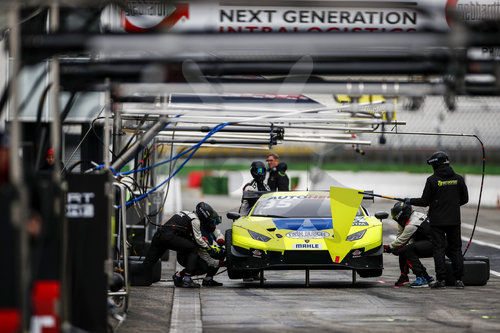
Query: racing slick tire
x: 231, y: 272
x: 366, y: 273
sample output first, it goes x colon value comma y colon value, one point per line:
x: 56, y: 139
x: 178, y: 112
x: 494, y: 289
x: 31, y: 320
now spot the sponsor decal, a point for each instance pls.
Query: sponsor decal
x: 326, y: 19
x: 357, y: 253
x: 359, y: 223
x: 257, y: 253
x: 447, y: 182
x: 309, y: 196
x: 474, y: 11
x: 305, y: 234
x: 80, y: 205
x: 143, y: 16
x: 303, y: 246
x: 380, y: 16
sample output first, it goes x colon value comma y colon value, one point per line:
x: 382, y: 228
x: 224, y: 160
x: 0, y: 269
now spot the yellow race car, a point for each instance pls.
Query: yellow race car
x: 306, y: 230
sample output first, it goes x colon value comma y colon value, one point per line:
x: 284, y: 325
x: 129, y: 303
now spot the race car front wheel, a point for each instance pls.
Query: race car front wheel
x: 231, y: 272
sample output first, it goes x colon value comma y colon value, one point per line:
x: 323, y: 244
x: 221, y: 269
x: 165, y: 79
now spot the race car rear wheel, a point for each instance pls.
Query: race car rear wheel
x: 231, y: 272
x: 366, y: 273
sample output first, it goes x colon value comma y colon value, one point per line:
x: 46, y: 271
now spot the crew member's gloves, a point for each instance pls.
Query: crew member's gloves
x: 212, y: 250
x: 397, y: 251
x: 387, y: 249
x: 221, y: 242
x: 216, y: 252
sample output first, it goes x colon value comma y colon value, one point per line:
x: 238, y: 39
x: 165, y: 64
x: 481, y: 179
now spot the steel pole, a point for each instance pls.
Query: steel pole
x: 18, y: 206
x: 150, y: 134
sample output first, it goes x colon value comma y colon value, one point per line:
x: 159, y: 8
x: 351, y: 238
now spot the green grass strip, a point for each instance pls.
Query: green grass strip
x: 355, y: 167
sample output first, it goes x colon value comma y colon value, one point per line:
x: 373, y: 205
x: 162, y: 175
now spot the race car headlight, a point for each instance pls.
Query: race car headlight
x: 259, y: 237
x: 355, y: 236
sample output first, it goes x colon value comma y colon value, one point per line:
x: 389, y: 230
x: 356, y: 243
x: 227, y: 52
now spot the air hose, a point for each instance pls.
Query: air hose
x: 480, y: 193
x: 482, y: 174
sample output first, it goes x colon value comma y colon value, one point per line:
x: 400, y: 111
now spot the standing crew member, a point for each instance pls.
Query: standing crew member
x: 182, y: 233
x: 412, y: 242
x: 444, y: 193
x: 258, y: 171
x: 278, y: 179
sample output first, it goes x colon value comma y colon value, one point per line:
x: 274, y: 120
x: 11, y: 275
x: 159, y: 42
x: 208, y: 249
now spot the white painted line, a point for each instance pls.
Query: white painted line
x: 481, y: 229
x: 164, y: 283
x: 495, y: 273
x: 186, y: 311
x: 481, y: 243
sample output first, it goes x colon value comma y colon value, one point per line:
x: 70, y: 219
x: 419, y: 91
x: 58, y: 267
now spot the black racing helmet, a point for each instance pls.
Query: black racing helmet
x: 401, y: 213
x: 438, y: 158
x: 208, y: 216
x: 258, y: 170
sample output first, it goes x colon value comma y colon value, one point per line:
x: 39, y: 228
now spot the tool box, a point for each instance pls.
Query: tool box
x: 476, y: 271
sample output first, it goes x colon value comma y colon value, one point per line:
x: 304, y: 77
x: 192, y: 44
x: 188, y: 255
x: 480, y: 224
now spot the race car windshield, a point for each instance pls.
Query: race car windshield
x: 295, y: 206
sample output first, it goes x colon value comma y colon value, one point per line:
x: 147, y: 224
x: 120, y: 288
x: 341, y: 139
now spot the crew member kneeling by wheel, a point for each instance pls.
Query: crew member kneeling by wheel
x: 413, y: 241
x: 183, y: 233
x: 209, y: 261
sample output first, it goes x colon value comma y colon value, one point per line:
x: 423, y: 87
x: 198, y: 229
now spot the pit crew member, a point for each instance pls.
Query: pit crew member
x: 258, y: 171
x: 413, y: 241
x: 182, y: 233
x: 278, y: 179
x: 444, y: 193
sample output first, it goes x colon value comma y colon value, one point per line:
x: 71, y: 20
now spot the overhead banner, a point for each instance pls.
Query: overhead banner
x: 270, y: 16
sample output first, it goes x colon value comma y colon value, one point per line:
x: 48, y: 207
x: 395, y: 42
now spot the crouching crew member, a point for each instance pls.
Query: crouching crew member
x: 209, y: 261
x: 182, y: 233
x: 413, y: 241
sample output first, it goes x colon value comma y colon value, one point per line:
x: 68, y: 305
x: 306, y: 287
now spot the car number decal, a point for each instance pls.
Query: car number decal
x: 303, y: 246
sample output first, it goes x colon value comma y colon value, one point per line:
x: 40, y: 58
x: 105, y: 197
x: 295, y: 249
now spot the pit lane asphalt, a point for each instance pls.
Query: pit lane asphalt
x: 331, y: 303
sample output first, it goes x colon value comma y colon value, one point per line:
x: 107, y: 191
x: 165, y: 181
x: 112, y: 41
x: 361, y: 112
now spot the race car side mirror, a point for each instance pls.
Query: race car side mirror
x: 381, y: 215
x: 233, y: 216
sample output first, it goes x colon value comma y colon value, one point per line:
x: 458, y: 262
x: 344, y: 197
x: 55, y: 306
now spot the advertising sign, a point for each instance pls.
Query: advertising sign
x: 295, y: 16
